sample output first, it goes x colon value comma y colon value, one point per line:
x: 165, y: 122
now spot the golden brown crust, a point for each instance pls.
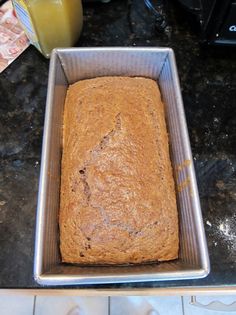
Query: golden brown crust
x: 118, y: 201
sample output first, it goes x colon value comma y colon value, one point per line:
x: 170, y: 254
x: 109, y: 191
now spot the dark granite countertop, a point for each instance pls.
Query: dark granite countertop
x: 208, y: 82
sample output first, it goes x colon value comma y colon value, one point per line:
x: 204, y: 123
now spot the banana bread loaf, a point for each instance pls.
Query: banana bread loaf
x: 117, y: 202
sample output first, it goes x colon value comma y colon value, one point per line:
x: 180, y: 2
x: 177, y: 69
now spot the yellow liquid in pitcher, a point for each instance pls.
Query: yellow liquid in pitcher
x: 57, y: 23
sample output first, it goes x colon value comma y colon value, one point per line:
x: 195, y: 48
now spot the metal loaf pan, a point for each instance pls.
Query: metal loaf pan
x: 68, y: 66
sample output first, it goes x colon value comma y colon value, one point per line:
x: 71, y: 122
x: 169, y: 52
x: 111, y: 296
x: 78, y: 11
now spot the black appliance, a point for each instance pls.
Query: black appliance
x: 217, y: 19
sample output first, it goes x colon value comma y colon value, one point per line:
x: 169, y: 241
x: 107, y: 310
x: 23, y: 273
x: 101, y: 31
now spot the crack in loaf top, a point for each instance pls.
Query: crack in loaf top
x: 118, y: 200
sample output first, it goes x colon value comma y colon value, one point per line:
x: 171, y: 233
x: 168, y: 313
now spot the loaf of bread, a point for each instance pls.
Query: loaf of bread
x: 117, y: 202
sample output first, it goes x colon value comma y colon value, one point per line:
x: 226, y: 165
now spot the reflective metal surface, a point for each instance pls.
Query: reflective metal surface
x: 68, y: 66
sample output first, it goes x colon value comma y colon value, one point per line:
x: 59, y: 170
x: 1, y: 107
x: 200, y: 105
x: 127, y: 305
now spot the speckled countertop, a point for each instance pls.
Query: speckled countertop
x: 208, y: 81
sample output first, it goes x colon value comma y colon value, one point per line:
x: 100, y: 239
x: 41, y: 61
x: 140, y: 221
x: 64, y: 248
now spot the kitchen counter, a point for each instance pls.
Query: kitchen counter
x: 208, y: 82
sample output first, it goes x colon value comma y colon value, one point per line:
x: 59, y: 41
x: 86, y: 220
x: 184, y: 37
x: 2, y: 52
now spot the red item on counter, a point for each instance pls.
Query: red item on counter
x: 13, y: 40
